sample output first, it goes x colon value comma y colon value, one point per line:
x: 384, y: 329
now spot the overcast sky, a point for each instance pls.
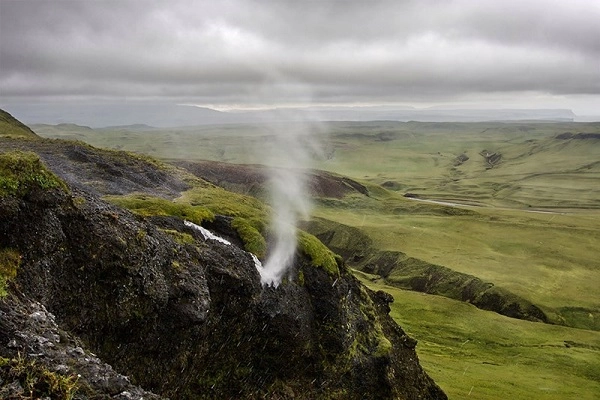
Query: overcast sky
x: 506, y: 53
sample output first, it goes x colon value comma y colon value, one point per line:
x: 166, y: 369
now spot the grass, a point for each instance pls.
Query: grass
x: 250, y: 219
x: 483, y: 355
x: 549, y: 259
x: 21, y: 172
x: 254, y: 241
x: 9, y: 264
x: 319, y: 254
x: 250, y: 215
x: 147, y: 205
x: 36, y: 380
x: 10, y: 127
x: 536, y: 170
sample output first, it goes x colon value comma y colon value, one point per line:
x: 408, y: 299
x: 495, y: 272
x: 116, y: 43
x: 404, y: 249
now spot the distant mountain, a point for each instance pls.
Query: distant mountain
x: 409, y: 114
x: 143, y: 116
x: 103, y: 115
x: 478, y: 115
x: 134, y: 127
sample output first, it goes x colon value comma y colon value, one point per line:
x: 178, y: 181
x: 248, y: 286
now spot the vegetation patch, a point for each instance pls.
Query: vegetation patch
x: 318, y: 253
x: 461, y: 346
x: 179, y: 237
x: 249, y: 214
x: 224, y: 202
x: 580, y: 317
x: 254, y: 242
x: 9, y: 263
x: 35, y: 381
x: 11, y: 127
x: 147, y: 206
x: 21, y: 172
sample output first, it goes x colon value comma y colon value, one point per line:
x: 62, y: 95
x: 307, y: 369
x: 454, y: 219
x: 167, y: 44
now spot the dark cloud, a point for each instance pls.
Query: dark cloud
x: 292, y: 51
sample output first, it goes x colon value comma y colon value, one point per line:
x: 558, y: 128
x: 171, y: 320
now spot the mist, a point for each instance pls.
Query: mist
x: 290, y: 152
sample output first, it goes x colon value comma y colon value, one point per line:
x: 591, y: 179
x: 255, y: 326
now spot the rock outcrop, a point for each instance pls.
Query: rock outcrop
x: 120, y: 302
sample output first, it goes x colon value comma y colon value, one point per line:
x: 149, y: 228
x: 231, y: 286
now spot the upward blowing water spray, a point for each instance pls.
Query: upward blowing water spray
x: 289, y: 203
x: 289, y: 198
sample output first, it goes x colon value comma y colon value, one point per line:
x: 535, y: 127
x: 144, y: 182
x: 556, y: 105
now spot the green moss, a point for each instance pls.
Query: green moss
x: 9, y: 263
x: 147, y: 205
x: 79, y: 201
x: 180, y: 237
x: 21, y: 172
x: 249, y: 219
x: 37, y: 381
x: 249, y: 214
x: 254, y: 242
x: 370, y: 340
x: 141, y: 235
x: 384, y: 347
x: 301, y: 278
x: 319, y: 254
x: 224, y: 202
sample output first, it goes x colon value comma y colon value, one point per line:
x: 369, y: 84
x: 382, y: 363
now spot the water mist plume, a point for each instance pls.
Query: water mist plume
x: 291, y: 151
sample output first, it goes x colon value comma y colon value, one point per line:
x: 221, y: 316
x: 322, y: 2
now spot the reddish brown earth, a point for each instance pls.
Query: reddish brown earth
x: 252, y: 179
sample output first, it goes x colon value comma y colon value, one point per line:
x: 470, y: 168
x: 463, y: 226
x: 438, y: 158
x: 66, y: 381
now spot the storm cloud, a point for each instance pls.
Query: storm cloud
x: 247, y: 53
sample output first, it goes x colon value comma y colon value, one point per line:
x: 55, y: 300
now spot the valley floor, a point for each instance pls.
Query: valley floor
x: 513, y: 204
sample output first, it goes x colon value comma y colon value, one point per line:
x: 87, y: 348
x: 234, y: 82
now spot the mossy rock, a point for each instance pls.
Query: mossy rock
x: 179, y: 237
x: 318, y: 253
x: 254, y: 242
x: 22, y: 172
x: 149, y: 206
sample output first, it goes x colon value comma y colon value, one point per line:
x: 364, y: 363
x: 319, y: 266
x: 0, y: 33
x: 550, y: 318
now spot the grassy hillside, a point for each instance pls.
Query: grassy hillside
x: 479, y: 354
x: 535, y: 169
x: 11, y: 127
x: 528, y: 222
x: 434, y: 160
x: 548, y: 259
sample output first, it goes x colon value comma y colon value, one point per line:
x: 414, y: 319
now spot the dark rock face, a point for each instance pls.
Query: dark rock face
x: 101, y: 171
x: 28, y: 328
x: 191, y: 320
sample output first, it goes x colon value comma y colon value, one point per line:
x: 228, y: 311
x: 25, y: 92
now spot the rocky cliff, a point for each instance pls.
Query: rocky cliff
x: 97, y: 302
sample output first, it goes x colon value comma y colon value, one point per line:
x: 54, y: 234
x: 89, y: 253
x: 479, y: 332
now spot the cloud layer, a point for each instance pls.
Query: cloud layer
x: 287, y: 52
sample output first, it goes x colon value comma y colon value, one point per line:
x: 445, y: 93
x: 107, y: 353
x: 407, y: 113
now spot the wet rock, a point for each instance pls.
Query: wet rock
x: 108, y: 296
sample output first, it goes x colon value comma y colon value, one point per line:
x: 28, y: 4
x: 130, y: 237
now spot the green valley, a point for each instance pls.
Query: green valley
x: 513, y: 207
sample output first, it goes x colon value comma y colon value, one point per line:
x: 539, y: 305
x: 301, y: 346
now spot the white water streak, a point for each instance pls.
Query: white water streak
x: 206, y: 233
x: 257, y: 263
